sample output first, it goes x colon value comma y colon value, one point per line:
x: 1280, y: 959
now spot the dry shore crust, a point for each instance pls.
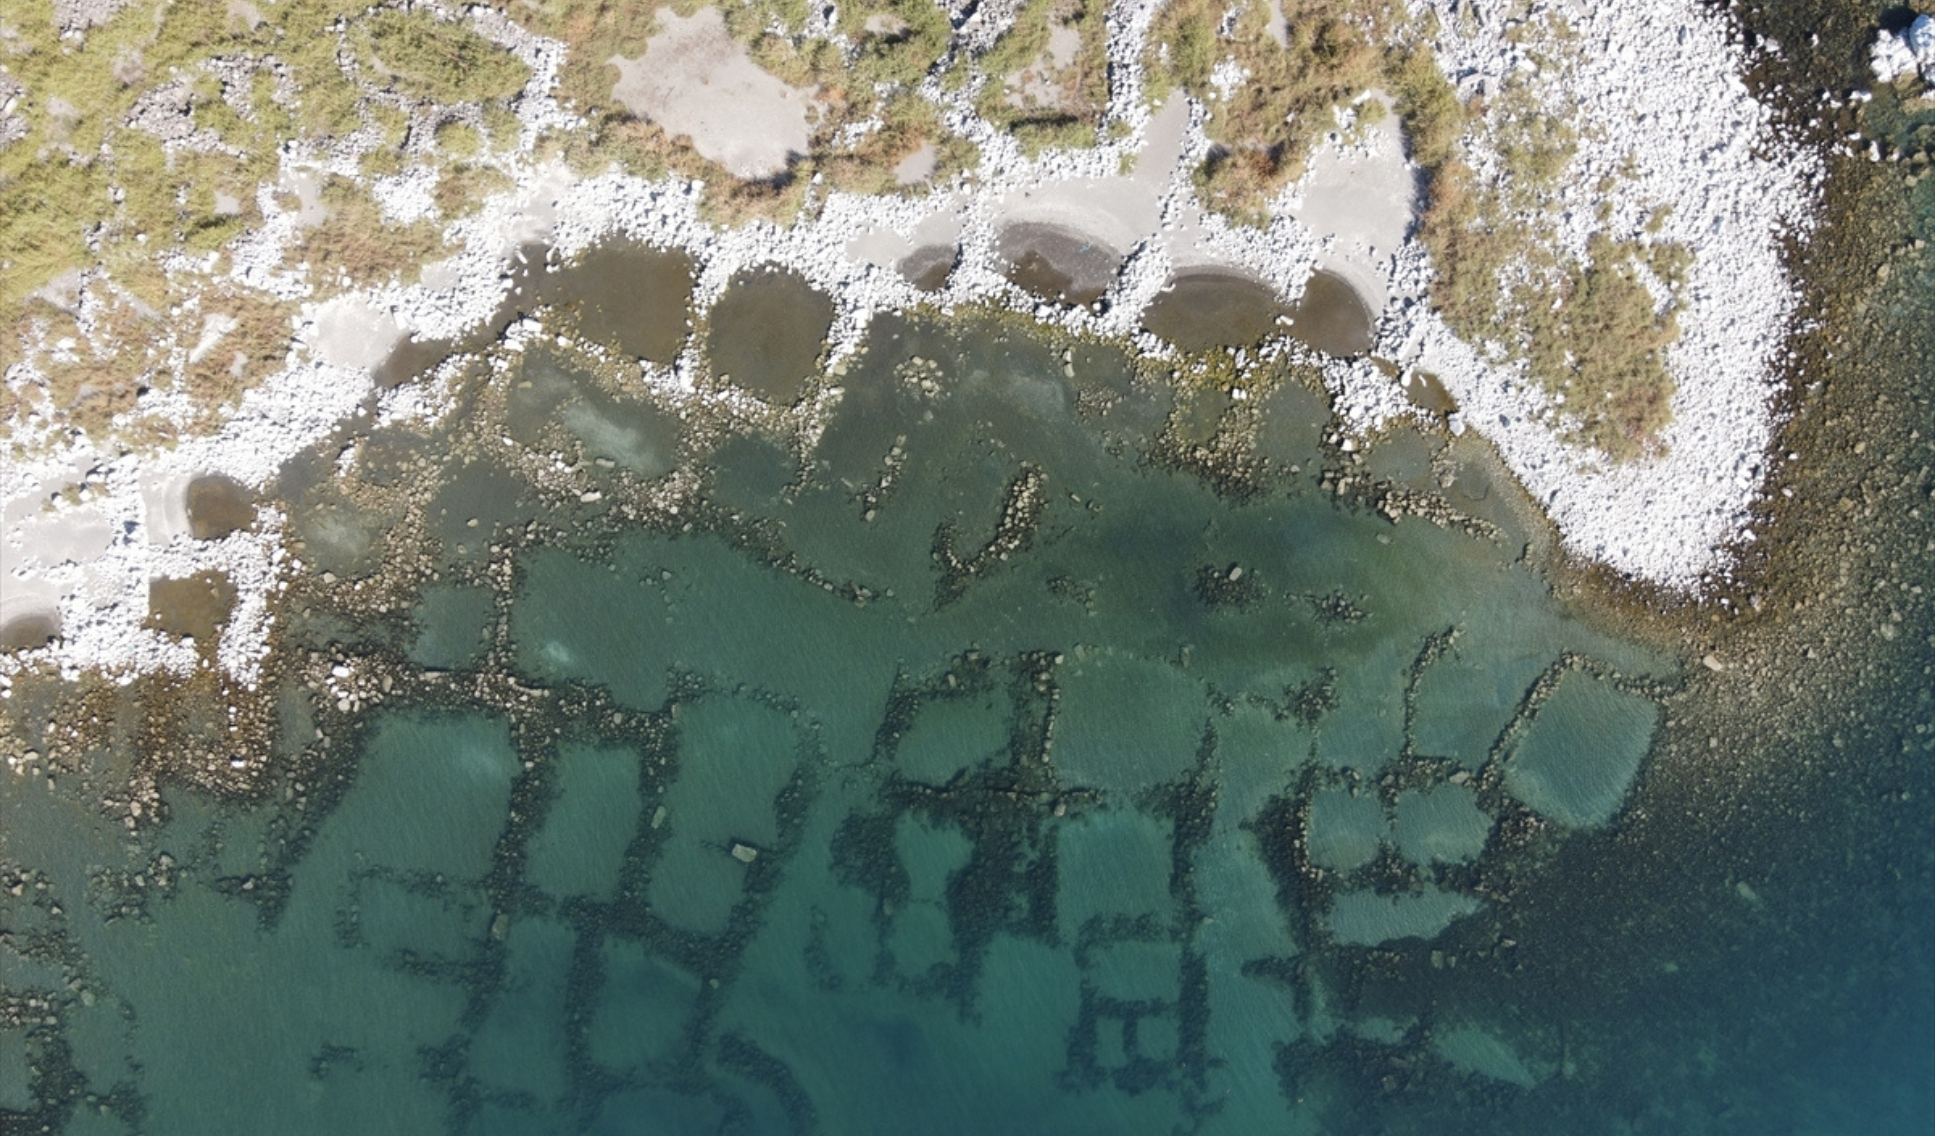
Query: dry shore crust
x: 1658, y: 74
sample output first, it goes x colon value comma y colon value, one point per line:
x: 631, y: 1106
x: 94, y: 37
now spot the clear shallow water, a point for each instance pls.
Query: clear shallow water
x: 1039, y: 750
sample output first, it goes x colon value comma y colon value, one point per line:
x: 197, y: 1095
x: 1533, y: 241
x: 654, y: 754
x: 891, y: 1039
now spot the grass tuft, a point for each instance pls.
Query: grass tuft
x: 462, y: 189
x: 1044, y: 105
x: 255, y: 347
x: 428, y: 58
x: 355, y: 245
x: 1264, y: 128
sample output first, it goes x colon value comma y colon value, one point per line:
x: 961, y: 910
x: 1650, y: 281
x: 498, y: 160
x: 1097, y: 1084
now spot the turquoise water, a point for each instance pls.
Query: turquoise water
x: 1039, y: 748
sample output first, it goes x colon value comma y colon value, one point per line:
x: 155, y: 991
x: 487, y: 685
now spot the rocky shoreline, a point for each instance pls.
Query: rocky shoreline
x: 1661, y: 78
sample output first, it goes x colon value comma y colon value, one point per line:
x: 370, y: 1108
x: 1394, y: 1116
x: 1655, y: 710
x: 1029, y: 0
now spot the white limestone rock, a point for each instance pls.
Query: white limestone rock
x: 1913, y: 50
x: 1921, y: 40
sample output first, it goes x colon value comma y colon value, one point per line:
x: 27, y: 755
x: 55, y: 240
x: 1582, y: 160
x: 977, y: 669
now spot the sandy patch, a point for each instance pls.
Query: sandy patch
x: 1121, y: 211
x: 164, y: 498
x: 1278, y: 27
x: 918, y: 166
x: 350, y: 333
x: 887, y: 248
x: 882, y: 248
x: 306, y: 185
x: 695, y: 80
x: 43, y: 551
x: 1040, y: 85
x: 1360, y: 200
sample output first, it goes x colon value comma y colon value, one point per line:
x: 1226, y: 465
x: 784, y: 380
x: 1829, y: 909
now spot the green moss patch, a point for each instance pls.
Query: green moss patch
x: 429, y: 58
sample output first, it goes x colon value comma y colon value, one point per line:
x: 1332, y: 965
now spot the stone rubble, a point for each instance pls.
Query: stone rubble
x: 1660, y: 83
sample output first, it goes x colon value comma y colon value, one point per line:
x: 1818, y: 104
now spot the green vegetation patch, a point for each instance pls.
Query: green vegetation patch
x: 641, y: 148
x: 1534, y: 142
x: 897, y: 42
x: 1605, y: 349
x: 458, y: 140
x: 908, y: 122
x: 109, y: 370
x: 1591, y: 333
x: 1331, y: 52
x: 1427, y: 106
x: 84, y: 191
x: 40, y: 236
x: 88, y: 191
x: 731, y: 201
x: 593, y: 31
x: 462, y: 189
x: 253, y: 348
x: 442, y: 60
x: 354, y: 243
x: 1046, y: 101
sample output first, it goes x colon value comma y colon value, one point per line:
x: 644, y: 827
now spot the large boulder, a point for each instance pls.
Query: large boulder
x: 1895, y: 55
x: 1921, y: 40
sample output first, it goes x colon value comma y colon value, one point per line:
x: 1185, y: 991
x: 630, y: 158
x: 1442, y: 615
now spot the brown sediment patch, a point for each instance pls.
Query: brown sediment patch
x: 1427, y: 393
x: 766, y: 334
x: 410, y: 359
x: 218, y: 505
x: 1057, y: 264
x: 26, y: 632
x: 194, y: 607
x: 928, y: 268
x: 1200, y: 310
x: 631, y: 296
x: 1331, y: 317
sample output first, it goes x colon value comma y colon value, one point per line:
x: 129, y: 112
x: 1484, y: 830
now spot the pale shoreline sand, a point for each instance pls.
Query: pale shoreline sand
x: 1661, y: 78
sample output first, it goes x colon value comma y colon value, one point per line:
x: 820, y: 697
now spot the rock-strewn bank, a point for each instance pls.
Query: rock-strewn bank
x: 1651, y: 75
